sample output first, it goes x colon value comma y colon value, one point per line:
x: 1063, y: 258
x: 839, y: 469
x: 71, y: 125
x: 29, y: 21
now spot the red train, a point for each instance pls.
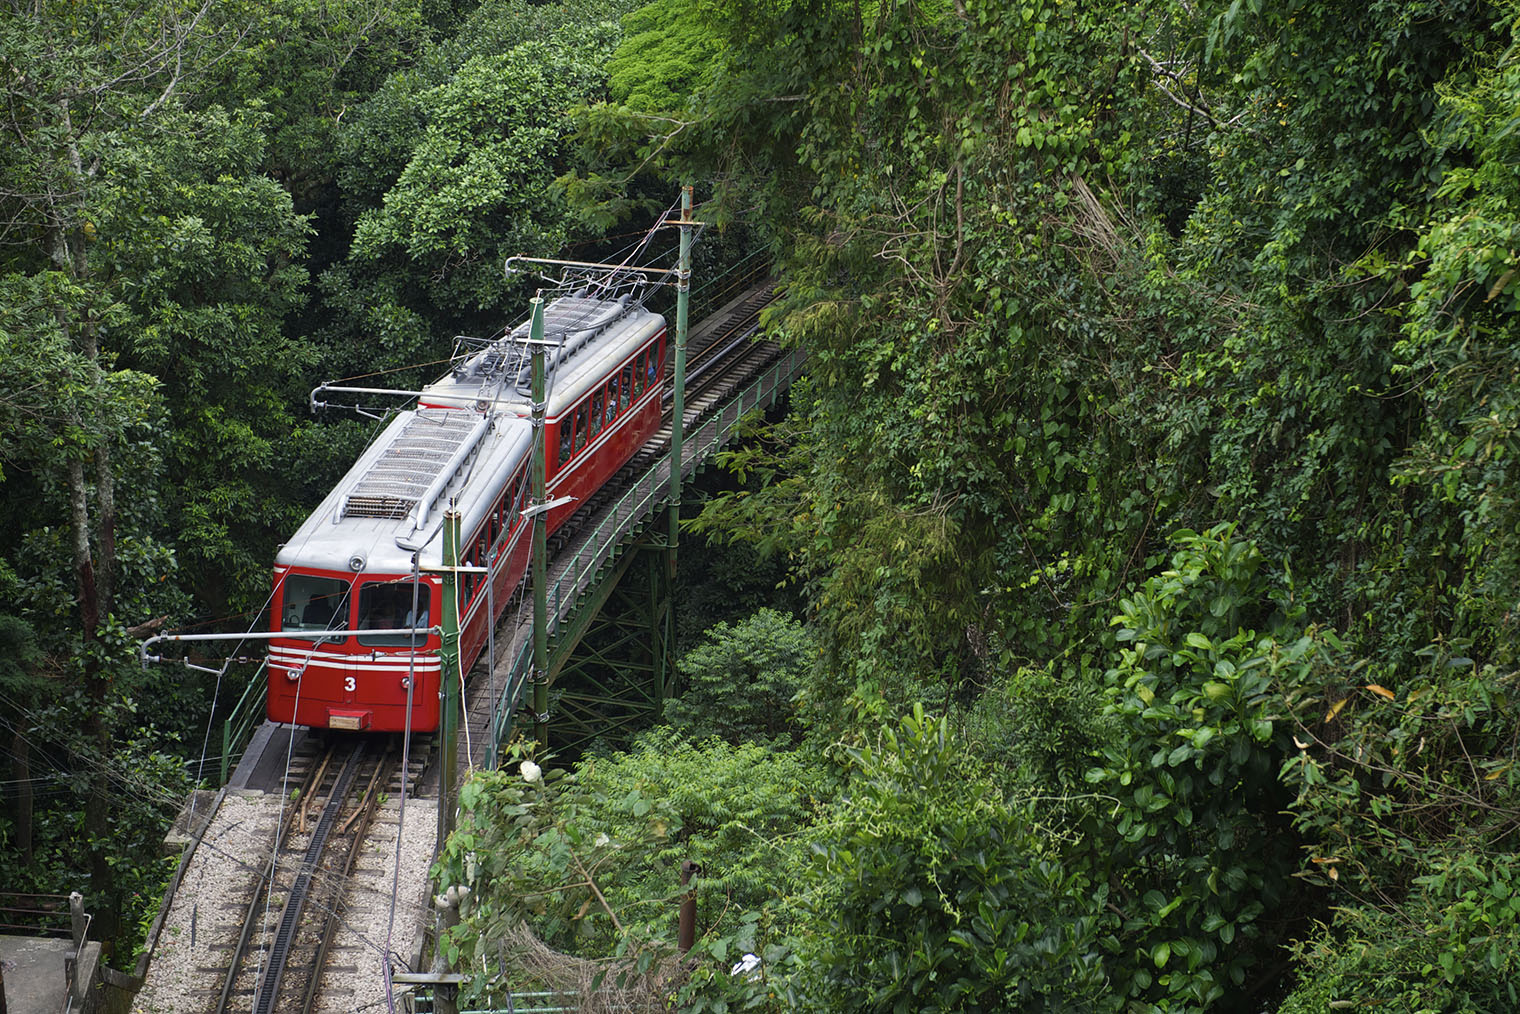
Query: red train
x: 358, y: 565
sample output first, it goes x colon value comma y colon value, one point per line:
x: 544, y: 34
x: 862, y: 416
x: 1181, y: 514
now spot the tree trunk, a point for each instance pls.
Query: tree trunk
x: 94, y: 571
x: 97, y: 730
x: 21, y: 773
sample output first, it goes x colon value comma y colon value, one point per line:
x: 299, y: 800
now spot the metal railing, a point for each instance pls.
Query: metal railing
x: 521, y: 1003
x: 246, y: 714
x: 621, y: 522
x: 34, y: 914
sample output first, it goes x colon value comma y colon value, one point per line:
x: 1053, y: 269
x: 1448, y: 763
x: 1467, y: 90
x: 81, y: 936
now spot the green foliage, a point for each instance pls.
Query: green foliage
x: 934, y: 893
x: 1072, y: 279
x: 451, y: 166
x: 305, y: 64
x: 1202, y: 849
x: 476, y: 186
x: 1039, y: 729
x: 971, y: 434
x: 208, y: 252
x: 1406, y: 784
x: 591, y: 860
x: 736, y: 810
x: 666, y: 56
x: 740, y: 683
x: 1460, y: 332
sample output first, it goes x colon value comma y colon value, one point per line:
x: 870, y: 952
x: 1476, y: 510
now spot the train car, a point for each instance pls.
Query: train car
x: 604, y: 379
x: 359, y: 564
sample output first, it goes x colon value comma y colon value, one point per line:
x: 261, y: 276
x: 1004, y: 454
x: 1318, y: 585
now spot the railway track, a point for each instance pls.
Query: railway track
x: 296, y: 909
x: 269, y: 942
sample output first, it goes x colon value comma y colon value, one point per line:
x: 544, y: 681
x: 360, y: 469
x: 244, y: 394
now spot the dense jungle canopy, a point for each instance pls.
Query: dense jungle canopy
x: 1145, y: 530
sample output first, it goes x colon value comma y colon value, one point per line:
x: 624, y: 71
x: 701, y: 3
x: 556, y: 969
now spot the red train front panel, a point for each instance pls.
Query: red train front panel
x: 354, y: 681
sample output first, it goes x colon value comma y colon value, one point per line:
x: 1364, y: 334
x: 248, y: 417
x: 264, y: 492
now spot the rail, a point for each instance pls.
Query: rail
x: 521, y: 1003
x: 247, y: 713
x: 747, y: 272
x: 35, y: 914
x: 640, y: 501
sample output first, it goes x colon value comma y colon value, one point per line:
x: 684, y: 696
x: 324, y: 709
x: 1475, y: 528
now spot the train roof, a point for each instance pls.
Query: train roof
x: 392, y: 500
x: 594, y: 336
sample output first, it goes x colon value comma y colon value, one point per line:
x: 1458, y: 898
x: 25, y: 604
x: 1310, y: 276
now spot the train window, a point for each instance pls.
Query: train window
x: 613, y: 398
x: 596, y: 413
x: 580, y: 428
x: 627, y: 386
x: 564, y: 441
x: 638, y: 375
x: 653, y: 358
x: 387, y: 605
x: 315, y: 603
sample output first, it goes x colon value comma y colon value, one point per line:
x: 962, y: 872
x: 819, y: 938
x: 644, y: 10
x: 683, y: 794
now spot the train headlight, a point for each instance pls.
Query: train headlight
x: 292, y: 674
x: 356, y: 563
x: 406, y: 683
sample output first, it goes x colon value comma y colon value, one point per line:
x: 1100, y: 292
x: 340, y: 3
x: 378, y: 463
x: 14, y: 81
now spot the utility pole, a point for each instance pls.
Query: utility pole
x: 683, y: 295
x: 448, y: 674
x: 539, y: 676
x: 677, y: 428
x: 448, y: 728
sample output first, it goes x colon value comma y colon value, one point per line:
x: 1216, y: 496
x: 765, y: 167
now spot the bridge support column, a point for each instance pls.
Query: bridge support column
x: 611, y: 666
x: 662, y: 632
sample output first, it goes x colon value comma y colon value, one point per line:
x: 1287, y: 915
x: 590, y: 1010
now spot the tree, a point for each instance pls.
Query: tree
x: 449, y: 168
x: 741, y: 682
x: 91, y: 88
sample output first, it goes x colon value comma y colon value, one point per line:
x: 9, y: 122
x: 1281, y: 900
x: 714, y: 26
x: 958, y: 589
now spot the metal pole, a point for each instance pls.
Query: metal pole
x: 448, y: 674
x: 683, y: 294
x: 540, y: 674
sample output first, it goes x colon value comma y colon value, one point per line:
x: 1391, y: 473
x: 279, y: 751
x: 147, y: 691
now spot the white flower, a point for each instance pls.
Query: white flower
x: 532, y: 772
x: 748, y: 966
x: 602, y: 840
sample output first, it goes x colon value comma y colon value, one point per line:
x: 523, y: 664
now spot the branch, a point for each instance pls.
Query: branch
x: 591, y: 883
x: 1199, y: 108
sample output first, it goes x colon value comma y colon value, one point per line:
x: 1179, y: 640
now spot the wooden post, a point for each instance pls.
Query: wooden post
x: 77, y: 920
x: 686, y: 929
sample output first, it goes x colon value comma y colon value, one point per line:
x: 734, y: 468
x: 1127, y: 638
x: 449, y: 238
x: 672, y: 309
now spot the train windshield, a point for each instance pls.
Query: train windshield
x: 315, y: 603
x: 387, y: 605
